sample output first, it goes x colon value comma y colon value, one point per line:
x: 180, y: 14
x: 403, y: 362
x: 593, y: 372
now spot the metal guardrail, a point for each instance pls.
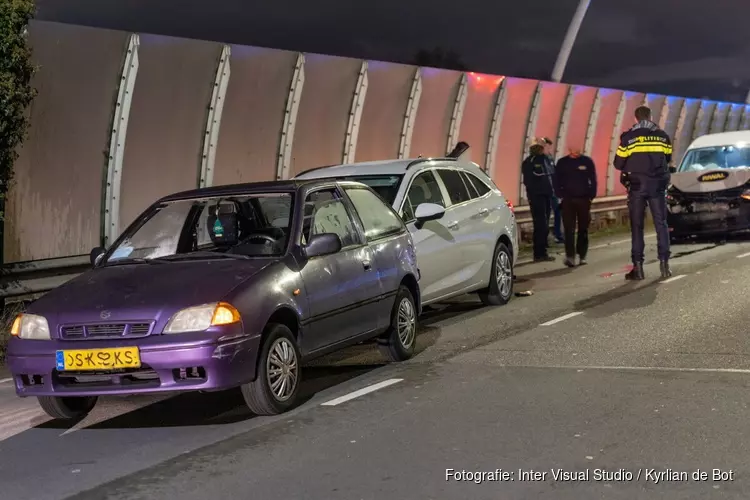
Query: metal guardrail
x: 20, y: 281
x: 23, y: 280
x: 599, y: 205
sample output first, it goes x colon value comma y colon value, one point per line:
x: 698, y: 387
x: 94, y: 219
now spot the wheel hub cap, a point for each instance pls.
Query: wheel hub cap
x: 407, y: 323
x: 503, y: 274
x: 282, y: 370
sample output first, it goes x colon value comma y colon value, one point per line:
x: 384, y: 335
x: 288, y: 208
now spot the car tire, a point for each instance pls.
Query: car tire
x: 500, y: 290
x: 399, y: 342
x: 279, y: 357
x: 68, y: 407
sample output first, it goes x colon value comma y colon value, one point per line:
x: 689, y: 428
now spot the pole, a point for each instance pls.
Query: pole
x: 570, y: 40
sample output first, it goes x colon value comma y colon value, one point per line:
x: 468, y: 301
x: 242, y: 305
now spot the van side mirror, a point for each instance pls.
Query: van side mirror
x: 96, y: 255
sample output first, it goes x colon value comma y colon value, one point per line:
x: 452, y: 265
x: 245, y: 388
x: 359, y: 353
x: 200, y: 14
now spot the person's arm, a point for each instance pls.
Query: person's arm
x: 592, y: 179
x: 525, y: 173
x: 668, y: 149
x: 557, y: 184
x: 622, y: 155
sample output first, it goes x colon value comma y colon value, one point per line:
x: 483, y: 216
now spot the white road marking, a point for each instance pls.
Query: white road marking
x: 362, y: 392
x: 5, y: 380
x: 743, y: 255
x: 562, y: 318
x: 639, y: 368
x: 674, y: 278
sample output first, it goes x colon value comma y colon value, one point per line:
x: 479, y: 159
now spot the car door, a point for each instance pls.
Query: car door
x: 486, y: 223
x: 384, y: 232
x: 339, y: 283
x: 438, y: 254
x: 462, y: 219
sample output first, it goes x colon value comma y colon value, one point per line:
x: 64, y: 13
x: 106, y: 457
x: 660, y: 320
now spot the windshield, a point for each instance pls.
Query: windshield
x: 385, y: 185
x: 238, y: 227
x: 697, y: 160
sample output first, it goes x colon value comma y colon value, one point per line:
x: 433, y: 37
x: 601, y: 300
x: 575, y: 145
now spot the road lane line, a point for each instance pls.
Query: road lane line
x: 741, y: 256
x: 5, y: 380
x: 362, y: 392
x: 637, y: 368
x: 562, y: 318
x: 673, y: 278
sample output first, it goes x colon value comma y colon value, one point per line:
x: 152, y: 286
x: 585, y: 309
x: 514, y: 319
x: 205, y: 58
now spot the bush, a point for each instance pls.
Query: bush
x: 16, y: 93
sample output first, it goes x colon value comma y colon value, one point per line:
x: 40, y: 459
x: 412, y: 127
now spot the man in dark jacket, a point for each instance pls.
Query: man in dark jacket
x: 556, y: 209
x: 575, y: 185
x: 643, y: 159
x: 537, y: 173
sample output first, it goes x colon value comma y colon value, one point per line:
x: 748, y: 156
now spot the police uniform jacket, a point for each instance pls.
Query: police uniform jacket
x: 645, y: 151
x: 537, y: 173
x: 575, y: 177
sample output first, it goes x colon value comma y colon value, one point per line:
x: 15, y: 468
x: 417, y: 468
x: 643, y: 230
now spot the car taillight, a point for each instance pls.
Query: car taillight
x: 510, y: 206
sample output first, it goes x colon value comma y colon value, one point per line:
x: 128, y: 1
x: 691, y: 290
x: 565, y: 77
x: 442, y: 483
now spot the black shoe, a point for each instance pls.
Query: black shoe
x: 664, y: 268
x: 546, y: 258
x: 636, y: 273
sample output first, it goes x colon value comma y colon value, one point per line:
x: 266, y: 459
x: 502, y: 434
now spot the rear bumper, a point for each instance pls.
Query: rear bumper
x: 206, y: 366
x: 709, y: 223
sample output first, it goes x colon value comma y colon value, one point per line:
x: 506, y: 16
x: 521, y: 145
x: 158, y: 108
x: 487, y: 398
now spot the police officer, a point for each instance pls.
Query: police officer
x: 537, y: 173
x: 575, y: 185
x: 643, y: 159
x: 556, y: 209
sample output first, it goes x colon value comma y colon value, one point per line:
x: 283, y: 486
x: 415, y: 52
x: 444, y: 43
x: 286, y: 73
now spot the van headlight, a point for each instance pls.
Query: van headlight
x: 199, y: 318
x: 30, y: 327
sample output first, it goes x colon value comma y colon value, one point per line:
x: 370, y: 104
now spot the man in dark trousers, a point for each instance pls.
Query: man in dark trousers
x: 537, y: 173
x: 643, y: 159
x: 556, y: 209
x: 575, y: 185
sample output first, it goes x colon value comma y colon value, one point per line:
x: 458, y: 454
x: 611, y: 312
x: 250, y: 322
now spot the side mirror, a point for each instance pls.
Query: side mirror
x: 96, y: 255
x: 672, y: 169
x: 322, y: 244
x: 427, y: 212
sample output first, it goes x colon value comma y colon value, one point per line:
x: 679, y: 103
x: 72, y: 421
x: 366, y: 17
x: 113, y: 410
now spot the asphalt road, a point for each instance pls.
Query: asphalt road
x: 589, y: 373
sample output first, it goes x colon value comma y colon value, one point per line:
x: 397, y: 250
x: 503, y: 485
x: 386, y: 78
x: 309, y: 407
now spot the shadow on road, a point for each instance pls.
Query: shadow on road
x: 606, y: 304
x: 216, y: 408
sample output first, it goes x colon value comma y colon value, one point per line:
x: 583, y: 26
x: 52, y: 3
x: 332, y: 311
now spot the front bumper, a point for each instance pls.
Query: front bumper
x: 170, y: 363
x: 715, y: 222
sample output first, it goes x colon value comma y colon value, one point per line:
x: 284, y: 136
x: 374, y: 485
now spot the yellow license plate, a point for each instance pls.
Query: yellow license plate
x: 98, y: 359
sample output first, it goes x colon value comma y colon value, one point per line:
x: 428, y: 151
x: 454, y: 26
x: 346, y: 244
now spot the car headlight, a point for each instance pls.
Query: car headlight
x: 199, y: 318
x: 30, y: 327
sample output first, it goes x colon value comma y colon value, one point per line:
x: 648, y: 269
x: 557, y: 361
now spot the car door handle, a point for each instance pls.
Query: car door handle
x: 453, y: 225
x: 367, y: 265
x: 484, y: 212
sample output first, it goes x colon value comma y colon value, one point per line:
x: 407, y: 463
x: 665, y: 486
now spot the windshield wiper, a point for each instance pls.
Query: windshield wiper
x: 201, y: 255
x: 126, y: 261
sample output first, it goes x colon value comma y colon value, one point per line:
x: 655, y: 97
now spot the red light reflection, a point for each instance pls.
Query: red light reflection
x: 485, y: 82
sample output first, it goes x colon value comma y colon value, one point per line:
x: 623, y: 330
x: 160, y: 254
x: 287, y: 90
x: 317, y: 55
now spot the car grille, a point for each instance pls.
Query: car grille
x: 105, y: 331
x: 712, y: 196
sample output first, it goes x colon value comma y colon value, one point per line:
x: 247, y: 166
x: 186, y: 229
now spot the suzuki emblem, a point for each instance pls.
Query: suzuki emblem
x: 105, y: 314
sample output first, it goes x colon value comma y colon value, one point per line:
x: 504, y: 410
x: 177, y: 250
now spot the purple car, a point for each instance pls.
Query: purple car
x: 223, y: 287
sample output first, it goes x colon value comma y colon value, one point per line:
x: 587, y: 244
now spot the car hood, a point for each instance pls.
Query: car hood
x: 706, y: 181
x: 143, y: 292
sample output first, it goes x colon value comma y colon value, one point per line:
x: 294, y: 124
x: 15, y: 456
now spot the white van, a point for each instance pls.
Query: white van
x: 710, y: 190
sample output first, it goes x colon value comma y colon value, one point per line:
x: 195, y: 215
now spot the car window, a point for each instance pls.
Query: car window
x: 472, y: 190
x: 455, y: 186
x: 424, y: 189
x: 385, y: 185
x: 377, y: 218
x: 481, y: 188
x: 325, y: 212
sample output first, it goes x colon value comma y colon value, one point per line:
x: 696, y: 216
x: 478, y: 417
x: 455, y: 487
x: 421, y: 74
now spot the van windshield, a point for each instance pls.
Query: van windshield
x: 716, y: 157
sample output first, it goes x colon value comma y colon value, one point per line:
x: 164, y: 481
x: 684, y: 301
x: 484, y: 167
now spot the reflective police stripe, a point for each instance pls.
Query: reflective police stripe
x: 644, y: 147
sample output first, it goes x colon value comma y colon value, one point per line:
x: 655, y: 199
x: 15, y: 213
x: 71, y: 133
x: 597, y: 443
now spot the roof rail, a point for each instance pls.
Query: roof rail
x: 423, y: 160
x: 314, y: 169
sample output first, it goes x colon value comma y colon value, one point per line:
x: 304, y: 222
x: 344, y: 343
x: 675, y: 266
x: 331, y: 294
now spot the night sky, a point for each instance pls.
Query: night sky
x: 693, y: 48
